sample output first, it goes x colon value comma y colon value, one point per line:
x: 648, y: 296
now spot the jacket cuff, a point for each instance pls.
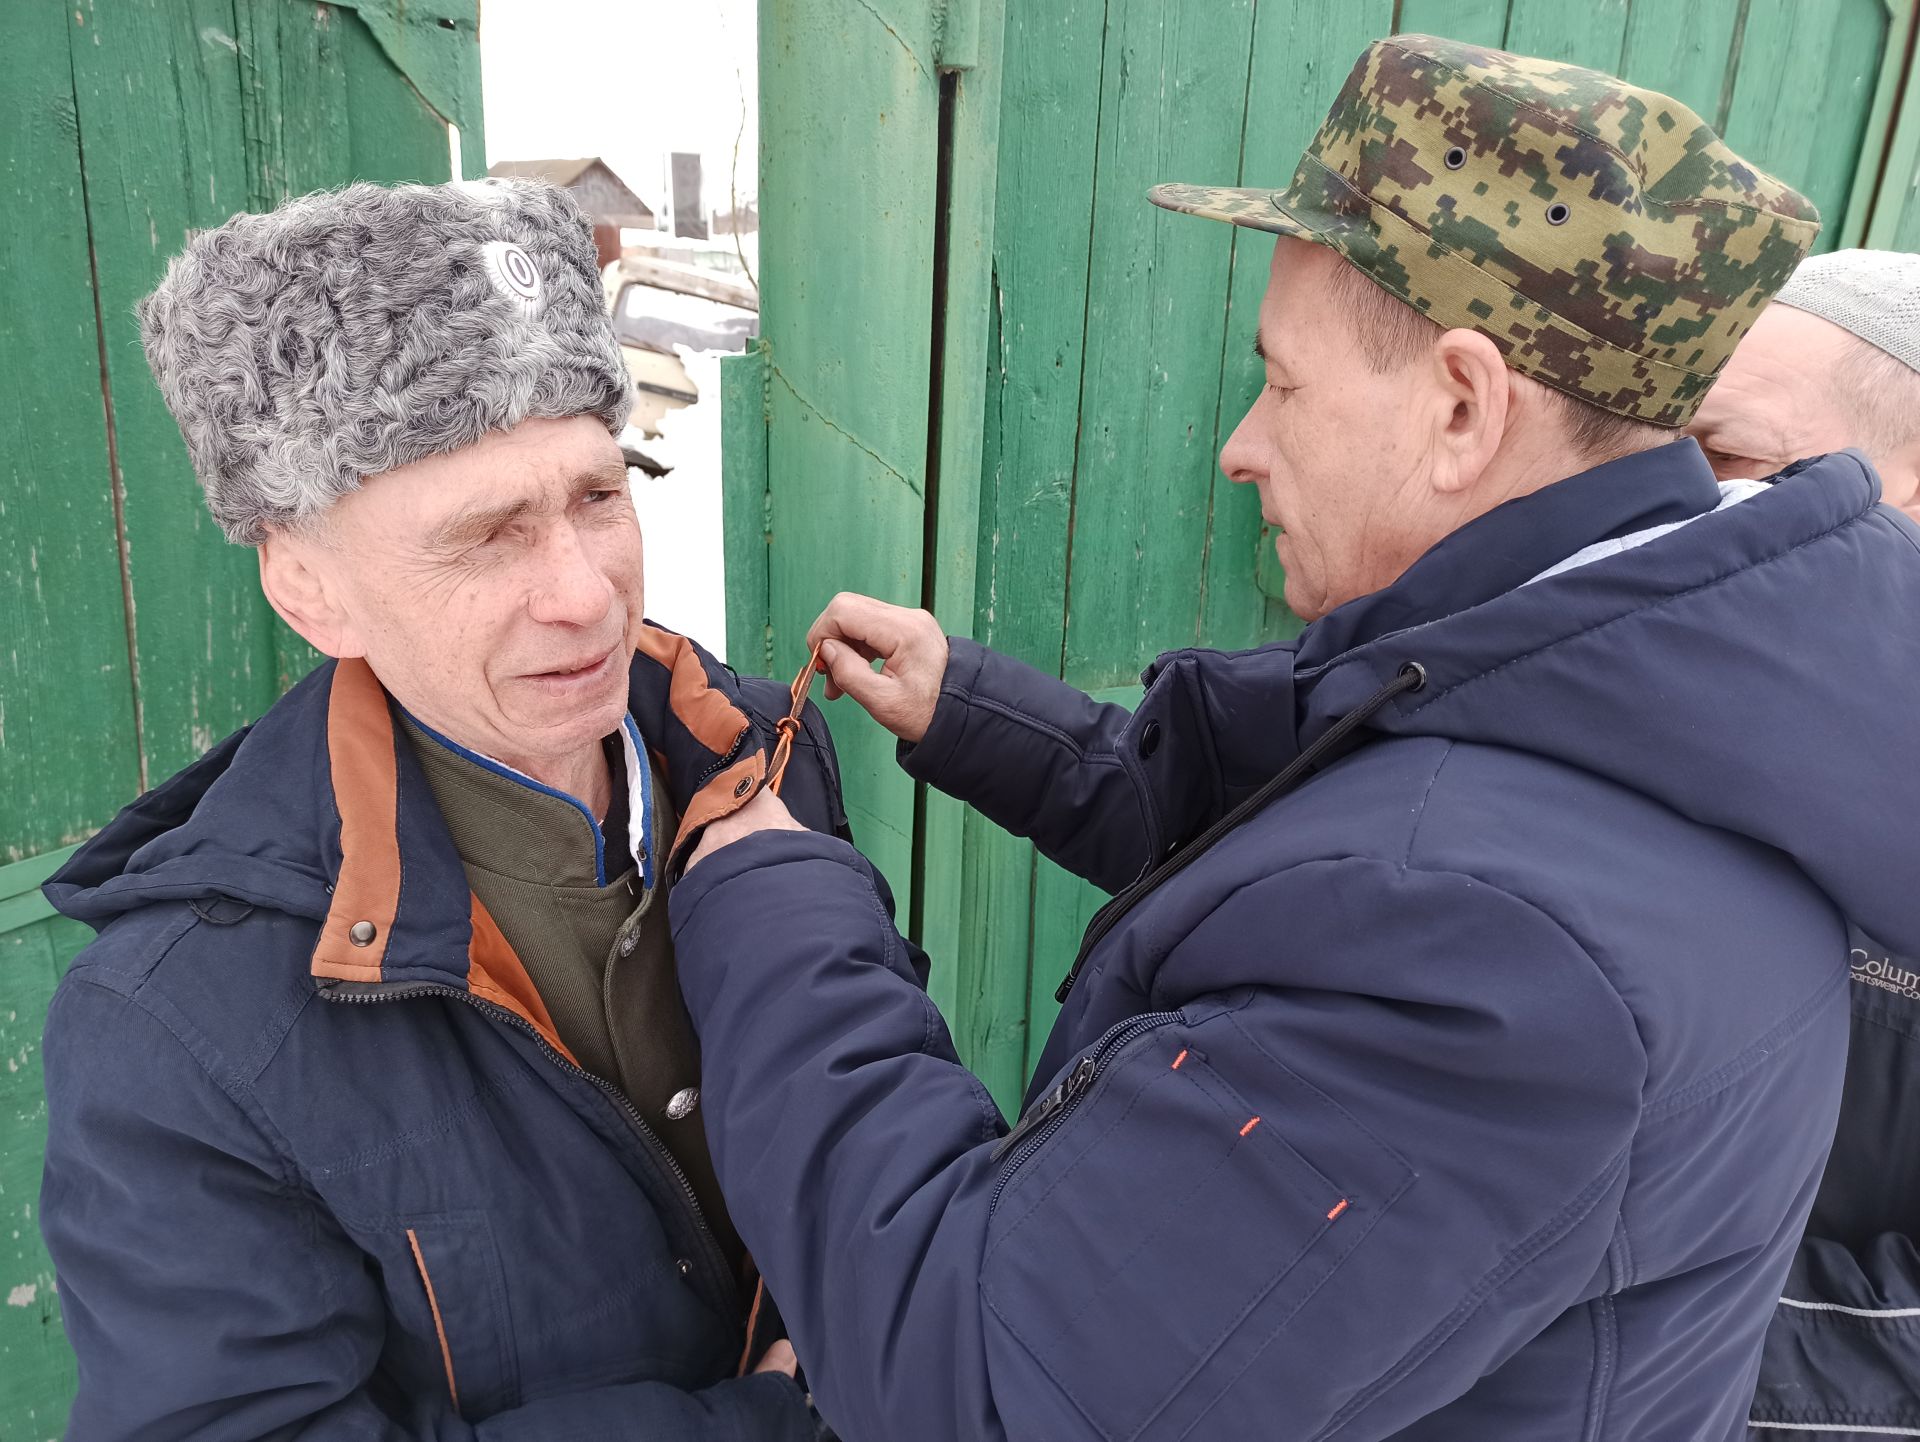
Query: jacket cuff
x: 754, y: 853
x: 927, y: 759
x: 772, y: 1405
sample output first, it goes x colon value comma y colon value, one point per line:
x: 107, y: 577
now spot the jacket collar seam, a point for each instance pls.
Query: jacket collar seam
x: 1665, y: 600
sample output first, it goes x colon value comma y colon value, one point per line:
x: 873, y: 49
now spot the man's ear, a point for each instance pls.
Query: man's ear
x: 1900, y: 479
x: 1475, y: 394
x: 294, y: 577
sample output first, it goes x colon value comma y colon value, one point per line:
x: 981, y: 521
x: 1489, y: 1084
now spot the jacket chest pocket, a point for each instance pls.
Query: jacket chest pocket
x: 448, y: 1330
x: 1167, y: 1231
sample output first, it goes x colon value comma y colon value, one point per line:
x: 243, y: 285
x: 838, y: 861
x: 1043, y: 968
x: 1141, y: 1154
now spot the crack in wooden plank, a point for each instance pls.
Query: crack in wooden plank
x: 867, y: 6
x: 826, y: 421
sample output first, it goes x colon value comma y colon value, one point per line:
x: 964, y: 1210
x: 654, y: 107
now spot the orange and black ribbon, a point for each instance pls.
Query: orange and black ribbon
x: 789, y: 725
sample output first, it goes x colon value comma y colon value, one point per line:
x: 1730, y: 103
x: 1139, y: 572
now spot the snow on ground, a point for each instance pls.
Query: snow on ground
x: 680, y: 514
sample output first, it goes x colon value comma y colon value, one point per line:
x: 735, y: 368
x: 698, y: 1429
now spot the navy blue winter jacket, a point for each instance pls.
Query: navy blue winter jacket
x: 1477, y: 1089
x: 1843, y: 1353
x: 299, y: 1187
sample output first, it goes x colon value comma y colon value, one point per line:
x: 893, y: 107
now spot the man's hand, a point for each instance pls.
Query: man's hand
x: 779, y: 1358
x: 854, y: 632
x: 764, y: 812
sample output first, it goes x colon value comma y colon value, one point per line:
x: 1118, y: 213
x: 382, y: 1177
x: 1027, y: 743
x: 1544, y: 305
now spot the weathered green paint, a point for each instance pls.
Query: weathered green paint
x: 1480, y: 22
x: 1591, y: 34
x: 431, y: 47
x: 1173, y: 102
x: 36, y: 1365
x: 1887, y: 203
x: 1801, y: 94
x: 124, y: 124
x: 848, y: 122
x: 67, y: 759
x: 743, y: 508
x: 158, y: 89
x: 21, y: 903
x: 1686, y: 51
x: 1876, y: 146
x: 985, y: 1005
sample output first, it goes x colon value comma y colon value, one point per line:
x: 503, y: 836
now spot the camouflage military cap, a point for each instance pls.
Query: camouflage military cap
x: 1603, y: 236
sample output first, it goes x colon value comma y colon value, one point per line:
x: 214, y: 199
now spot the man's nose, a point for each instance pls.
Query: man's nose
x: 571, y: 589
x: 1240, y: 457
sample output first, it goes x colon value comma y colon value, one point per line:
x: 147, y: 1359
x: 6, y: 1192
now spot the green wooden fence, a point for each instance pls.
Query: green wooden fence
x: 134, y: 636
x: 994, y: 380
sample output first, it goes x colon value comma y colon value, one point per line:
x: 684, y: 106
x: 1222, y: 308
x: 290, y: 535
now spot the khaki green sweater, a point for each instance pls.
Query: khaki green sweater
x: 601, y: 957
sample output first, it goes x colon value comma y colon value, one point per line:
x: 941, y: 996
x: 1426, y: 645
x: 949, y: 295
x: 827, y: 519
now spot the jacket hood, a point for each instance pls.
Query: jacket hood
x: 303, y: 812
x: 1756, y: 669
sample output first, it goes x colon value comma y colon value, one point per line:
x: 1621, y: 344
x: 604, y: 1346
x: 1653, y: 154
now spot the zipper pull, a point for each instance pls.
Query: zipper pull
x: 1071, y: 1085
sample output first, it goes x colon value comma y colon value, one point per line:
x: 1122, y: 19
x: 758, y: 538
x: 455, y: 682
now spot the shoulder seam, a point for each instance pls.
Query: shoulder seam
x: 1420, y: 811
x: 248, y: 1111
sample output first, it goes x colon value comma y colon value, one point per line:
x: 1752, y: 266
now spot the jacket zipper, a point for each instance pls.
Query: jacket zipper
x: 652, y: 1143
x: 1045, y: 1116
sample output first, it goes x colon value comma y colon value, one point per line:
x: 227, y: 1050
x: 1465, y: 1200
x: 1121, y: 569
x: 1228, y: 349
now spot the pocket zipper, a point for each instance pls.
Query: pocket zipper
x: 1045, y: 1116
x: 439, y: 1326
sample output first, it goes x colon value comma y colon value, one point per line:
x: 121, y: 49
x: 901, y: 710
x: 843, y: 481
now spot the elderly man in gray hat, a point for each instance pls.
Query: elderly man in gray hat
x: 373, y: 1109
x: 1834, y: 363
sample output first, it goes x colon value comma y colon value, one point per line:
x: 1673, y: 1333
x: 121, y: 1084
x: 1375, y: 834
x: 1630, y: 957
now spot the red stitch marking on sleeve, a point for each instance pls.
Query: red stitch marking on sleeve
x: 1182, y: 1057
x: 1334, y: 1215
x: 1250, y: 1126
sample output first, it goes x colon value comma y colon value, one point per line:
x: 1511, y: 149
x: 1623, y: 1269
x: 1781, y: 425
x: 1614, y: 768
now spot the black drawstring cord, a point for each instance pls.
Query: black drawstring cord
x: 1411, y: 677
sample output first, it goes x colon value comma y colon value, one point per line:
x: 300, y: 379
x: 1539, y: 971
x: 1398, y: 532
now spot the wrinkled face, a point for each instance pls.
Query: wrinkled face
x: 1772, y: 404
x: 1337, y: 453
x: 496, y: 590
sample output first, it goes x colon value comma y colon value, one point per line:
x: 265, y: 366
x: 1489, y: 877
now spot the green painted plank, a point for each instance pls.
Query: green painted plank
x: 1050, y: 99
x: 158, y: 90
x: 1882, y: 210
x: 1685, y: 51
x: 1301, y: 57
x: 316, y: 144
x: 1807, y: 74
x: 848, y: 122
x: 1589, y: 33
x: 393, y: 134
x: 743, y: 507
x: 67, y: 749
x: 986, y: 1007
x: 434, y: 43
x: 23, y: 878
x: 1041, y: 231
x: 1478, y: 22
x: 37, y: 1376
x: 1173, y: 99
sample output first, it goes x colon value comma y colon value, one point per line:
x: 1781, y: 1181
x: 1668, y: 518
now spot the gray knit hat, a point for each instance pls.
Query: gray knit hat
x: 352, y: 331
x: 1873, y: 293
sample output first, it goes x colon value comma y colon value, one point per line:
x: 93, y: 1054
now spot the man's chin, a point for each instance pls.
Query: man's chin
x: 1305, y: 602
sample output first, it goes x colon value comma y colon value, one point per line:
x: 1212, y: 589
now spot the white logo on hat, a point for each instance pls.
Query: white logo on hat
x: 512, y: 271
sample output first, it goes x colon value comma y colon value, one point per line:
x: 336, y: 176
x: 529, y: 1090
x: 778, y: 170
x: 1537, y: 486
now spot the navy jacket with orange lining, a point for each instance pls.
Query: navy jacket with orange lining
x: 299, y: 1186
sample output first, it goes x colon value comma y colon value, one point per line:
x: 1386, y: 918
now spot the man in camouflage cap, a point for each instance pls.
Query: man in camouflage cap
x: 1460, y: 1049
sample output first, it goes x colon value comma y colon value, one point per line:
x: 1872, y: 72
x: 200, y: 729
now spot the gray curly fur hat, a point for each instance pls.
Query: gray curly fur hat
x: 352, y: 331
